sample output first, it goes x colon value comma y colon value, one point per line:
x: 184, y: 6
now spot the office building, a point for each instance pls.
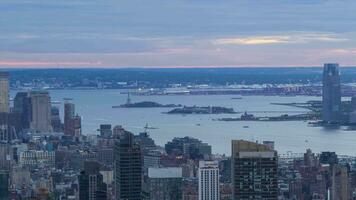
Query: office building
x: 152, y: 159
x: 75, y: 127
x: 41, y: 111
x: 339, y: 183
x: 22, y: 105
x: 55, y: 119
x: 4, y: 185
x: 165, y: 183
x: 10, y: 126
x: 69, y: 112
x: 6, y: 156
x: 209, y: 180
x: 254, y: 171
x: 4, y: 92
x: 91, y: 185
x: 33, y: 158
x: 331, y: 112
x: 128, y: 168
x: 105, y: 130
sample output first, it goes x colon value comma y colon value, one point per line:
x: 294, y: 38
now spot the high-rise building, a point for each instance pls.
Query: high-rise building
x: 128, y: 168
x: 69, y: 112
x: 91, y: 185
x: 331, y: 93
x: 165, y: 183
x: 254, y: 171
x: 4, y: 92
x: 4, y: 185
x: 41, y: 111
x: 339, y: 183
x: 22, y: 105
x: 75, y: 127
x: 209, y: 180
x: 10, y: 126
x: 55, y: 119
x: 105, y: 130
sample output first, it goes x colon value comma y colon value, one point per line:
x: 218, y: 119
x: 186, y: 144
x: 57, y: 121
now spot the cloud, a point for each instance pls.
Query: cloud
x: 280, y: 39
x: 14, y: 63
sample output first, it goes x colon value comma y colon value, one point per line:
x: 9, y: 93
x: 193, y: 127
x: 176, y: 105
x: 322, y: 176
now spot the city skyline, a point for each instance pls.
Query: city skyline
x: 176, y: 33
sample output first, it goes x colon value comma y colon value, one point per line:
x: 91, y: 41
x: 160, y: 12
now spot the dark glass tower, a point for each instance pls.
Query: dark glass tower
x: 22, y: 105
x: 331, y: 93
x: 91, y: 185
x: 254, y: 171
x: 128, y: 168
x: 4, y: 185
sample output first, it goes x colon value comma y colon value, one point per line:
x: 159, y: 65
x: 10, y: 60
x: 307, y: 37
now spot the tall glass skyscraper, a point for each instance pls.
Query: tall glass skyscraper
x: 128, y: 168
x: 331, y: 93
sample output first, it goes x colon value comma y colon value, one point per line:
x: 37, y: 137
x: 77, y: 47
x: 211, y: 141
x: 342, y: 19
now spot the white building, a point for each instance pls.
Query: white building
x: 209, y: 180
x: 37, y: 158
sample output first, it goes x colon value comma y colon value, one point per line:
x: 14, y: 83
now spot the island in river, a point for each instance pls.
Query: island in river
x: 147, y: 104
x: 202, y: 110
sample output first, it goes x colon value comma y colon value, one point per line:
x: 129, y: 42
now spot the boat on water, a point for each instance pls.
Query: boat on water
x: 246, y: 127
x: 147, y: 127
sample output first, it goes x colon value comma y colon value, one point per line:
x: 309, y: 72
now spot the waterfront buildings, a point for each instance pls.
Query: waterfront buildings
x: 4, y: 92
x: 41, y: 111
x: 128, y: 168
x: 209, y: 180
x: 331, y: 108
x: 254, y: 171
x: 165, y: 183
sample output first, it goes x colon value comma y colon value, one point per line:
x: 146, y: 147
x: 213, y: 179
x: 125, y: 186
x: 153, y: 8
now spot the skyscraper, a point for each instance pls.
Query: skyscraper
x: 69, y: 112
x: 41, y: 111
x: 331, y: 93
x: 22, y: 105
x: 254, y: 171
x: 4, y: 92
x: 209, y: 180
x: 128, y: 168
x: 91, y: 185
x: 339, y: 183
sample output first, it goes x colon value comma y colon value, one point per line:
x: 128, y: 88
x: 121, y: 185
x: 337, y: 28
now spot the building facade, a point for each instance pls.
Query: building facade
x: 128, y: 168
x: 165, y: 183
x: 209, y: 187
x: 91, y: 185
x: 331, y: 93
x: 254, y: 171
x: 41, y: 111
x: 4, y: 92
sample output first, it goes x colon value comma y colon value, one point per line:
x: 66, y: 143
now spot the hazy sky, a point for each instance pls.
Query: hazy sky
x: 168, y: 33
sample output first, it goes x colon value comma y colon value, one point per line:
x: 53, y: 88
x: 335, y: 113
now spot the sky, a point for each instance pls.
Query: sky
x: 176, y: 33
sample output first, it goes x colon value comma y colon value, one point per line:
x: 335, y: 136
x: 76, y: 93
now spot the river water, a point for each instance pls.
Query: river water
x: 95, y: 107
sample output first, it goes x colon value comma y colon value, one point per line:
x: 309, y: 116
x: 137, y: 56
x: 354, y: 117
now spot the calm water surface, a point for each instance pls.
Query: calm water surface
x: 95, y: 108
